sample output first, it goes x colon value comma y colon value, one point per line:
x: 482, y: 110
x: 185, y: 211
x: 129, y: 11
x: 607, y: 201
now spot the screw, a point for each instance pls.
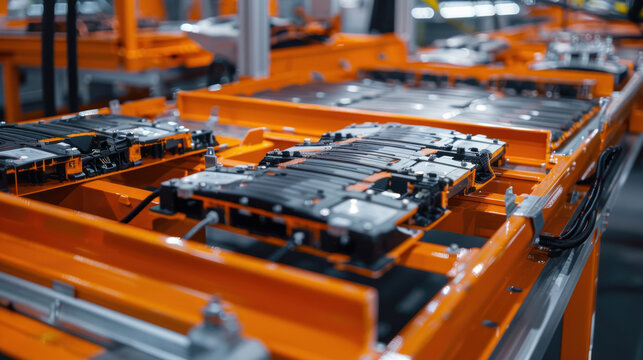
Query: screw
x: 298, y: 238
x: 453, y: 249
x: 489, y: 323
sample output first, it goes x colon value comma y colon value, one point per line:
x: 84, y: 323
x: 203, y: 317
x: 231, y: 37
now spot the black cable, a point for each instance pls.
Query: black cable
x: 583, y: 226
x: 72, y: 56
x: 210, y: 218
x: 47, y: 57
x: 141, y: 206
x: 591, y: 197
x: 279, y: 253
x: 296, y: 240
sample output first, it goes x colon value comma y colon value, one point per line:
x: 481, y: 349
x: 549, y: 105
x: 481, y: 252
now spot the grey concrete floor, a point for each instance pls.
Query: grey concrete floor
x: 618, y: 332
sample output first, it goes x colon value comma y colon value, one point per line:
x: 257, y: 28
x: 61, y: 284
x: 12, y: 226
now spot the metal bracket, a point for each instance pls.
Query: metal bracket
x: 531, y: 207
x: 214, y: 116
x: 218, y: 337
x: 510, y: 201
x: 115, y: 106
x: 63, y: 288
x: 602, y: 115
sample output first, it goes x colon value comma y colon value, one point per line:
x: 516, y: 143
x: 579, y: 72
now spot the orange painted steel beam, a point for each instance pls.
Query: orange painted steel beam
x: 26, y: 338
x: 502, y: 262
x: 530, y: 145
x: 430, y: 257
x: 11, y: 86
x: 127, y: 27
x: 330, y: 318
x: 578, y: 320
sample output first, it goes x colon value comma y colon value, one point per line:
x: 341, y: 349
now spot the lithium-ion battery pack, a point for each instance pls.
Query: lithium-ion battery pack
x: 398, y: 92
x: 79, y: 147
x: 359, y: 192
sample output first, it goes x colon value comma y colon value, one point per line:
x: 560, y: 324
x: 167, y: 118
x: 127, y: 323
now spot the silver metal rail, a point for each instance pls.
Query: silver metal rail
x: 535, y: 323
x: 217, y: 337
x: 617, y: 104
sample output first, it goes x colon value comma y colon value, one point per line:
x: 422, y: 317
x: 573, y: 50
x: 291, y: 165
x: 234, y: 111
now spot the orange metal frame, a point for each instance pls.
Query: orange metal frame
x: 71, y: 234
x: 125, y: 49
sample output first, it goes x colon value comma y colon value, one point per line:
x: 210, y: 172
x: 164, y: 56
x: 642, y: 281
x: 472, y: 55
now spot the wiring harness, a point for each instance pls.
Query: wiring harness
x: 583, y: 225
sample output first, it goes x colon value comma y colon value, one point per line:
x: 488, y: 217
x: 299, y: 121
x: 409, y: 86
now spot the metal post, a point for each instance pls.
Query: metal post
x: 209, y: 8
x: 405, y: 24
x: 322, y: 9
x: 254, y: 39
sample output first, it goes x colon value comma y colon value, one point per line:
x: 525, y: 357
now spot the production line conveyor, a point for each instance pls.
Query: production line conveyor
x: 388, y: 210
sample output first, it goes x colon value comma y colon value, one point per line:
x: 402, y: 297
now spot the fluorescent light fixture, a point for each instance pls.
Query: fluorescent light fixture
x: 422, y: 12
x: 469, y: 9
x: 507, y: 8
x: 457, y: 9
x: 484, y: 8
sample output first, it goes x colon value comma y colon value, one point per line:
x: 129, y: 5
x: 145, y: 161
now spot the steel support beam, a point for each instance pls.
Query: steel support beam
x: 405, y: 24
x: 254, y: 39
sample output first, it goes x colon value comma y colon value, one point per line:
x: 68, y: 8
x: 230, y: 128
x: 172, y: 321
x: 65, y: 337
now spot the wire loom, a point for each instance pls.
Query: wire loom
x: 582, y: 227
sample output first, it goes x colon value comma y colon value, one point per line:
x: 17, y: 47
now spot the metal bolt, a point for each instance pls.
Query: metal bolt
x: 243, y: 201
x: 54, y: 308
x: 453, y: 249
x: 213, y: 311
x: 489, y: 323
x: 298, y: 238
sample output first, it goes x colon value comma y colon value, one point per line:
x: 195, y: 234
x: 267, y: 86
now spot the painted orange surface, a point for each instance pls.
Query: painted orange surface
x: 70, y: 233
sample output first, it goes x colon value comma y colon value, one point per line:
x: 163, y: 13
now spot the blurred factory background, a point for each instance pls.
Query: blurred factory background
x: 188, y: 68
